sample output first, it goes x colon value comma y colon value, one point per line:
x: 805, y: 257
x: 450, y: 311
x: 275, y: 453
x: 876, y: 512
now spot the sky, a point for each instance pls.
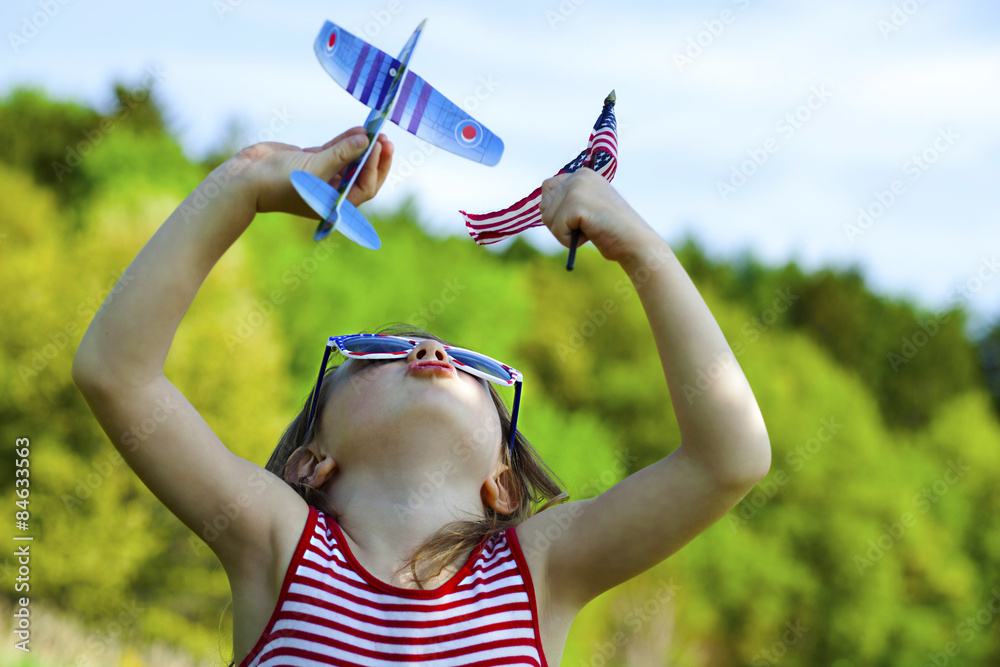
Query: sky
x: 830, y: 134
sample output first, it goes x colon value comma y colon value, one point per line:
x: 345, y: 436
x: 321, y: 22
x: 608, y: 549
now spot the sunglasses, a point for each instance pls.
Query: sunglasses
x: 383, y: 346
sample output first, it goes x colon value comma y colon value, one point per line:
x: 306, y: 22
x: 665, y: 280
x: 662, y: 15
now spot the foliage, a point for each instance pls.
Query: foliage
x: 66, y: 146
x: 883, y: 340
x: 859, y: 537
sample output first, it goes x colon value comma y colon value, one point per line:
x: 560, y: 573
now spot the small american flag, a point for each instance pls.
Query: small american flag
x: 601, y: 155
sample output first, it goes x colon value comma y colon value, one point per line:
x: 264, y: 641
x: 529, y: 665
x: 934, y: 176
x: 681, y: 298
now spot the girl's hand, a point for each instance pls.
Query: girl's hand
x: 270, y: 165
x: 585, y: 201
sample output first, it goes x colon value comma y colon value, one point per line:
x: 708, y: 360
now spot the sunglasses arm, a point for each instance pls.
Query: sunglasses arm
x: 513, y: 416
x: 319, y: 383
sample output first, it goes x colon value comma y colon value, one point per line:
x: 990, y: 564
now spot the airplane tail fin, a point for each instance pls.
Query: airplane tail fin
x: 336, y: 212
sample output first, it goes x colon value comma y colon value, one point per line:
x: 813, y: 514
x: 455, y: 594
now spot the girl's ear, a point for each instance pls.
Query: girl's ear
x: 501, y: 492
x: 310, y: 465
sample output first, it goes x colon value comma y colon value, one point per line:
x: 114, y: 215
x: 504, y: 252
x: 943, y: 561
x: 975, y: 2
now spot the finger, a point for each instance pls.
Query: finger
x: 554, y: 183
x: 343, y: 135
x: 564, y: 213
x: 553, y: 193
x: 339, y: 155
x: 369, y: 174
x: 385, y: 161
x: 337, y: 178
x: 567, y: 218
x: 381, y: 166
x: 364, y: 186
x: 347, y: 133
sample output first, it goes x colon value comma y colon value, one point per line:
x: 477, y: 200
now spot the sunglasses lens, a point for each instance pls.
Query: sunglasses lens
x: 481, y: 364
x: 375, y: 345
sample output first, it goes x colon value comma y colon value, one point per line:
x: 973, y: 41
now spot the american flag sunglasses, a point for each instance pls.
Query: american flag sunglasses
x: 384, y: 346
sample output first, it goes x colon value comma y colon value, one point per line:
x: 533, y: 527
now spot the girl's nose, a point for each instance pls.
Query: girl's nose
x: 429, y: 350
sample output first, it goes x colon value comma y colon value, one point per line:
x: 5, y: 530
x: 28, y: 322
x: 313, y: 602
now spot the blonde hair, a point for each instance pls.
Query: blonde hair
x: 528, y: 479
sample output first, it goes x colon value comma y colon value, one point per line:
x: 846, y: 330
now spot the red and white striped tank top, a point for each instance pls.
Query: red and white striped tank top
x: 331, y: 611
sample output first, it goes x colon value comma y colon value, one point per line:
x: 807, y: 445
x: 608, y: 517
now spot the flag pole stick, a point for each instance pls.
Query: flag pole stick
x: 572, y: 249
x: 575, y: 237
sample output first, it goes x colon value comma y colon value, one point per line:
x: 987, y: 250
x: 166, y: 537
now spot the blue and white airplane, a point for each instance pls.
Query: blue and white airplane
x: 392, y: 91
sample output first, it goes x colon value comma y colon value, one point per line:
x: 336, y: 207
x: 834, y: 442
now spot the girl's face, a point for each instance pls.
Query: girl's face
x: 378, y: 407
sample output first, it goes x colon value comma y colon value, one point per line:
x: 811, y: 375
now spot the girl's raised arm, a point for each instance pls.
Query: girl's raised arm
x: 119, y: 364
x: 724, y: 451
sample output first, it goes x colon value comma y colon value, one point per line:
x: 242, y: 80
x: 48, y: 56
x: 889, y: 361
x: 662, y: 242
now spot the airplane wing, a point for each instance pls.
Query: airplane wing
x: 423, y: 111
x: 362, y: 70
x: 368, y: 74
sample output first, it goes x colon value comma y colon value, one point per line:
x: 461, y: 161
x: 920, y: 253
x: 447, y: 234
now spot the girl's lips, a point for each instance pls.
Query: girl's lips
x: 434, y: 366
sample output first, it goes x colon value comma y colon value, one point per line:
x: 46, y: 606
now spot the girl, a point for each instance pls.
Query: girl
x: 340, y: 564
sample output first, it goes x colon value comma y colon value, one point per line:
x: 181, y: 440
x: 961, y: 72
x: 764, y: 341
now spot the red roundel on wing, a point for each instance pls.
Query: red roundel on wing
x: 333, y: 38
x: 469, y: 132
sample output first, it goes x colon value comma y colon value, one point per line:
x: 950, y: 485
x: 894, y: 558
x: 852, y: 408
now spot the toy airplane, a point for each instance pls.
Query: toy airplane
x: 391, y: 91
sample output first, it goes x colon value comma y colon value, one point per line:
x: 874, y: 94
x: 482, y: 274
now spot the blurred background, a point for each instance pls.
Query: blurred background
x: 826, y: 173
